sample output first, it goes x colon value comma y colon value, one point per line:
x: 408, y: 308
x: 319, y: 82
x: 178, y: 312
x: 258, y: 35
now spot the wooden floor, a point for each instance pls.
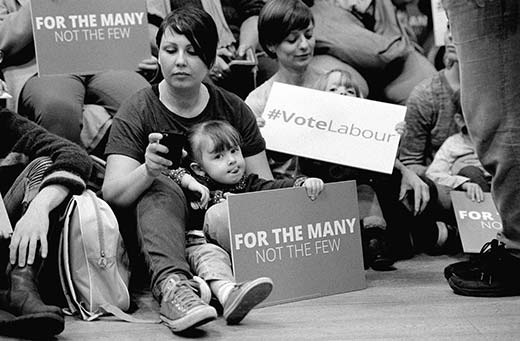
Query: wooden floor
x: 413, y: 302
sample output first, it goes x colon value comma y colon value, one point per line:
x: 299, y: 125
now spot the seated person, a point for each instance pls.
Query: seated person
x: 39, y: 171
x: 218, y: 169
x: 429, y: 119
x: 456, y: 164
x: 367, y: 35
x: 373, y: 233
x: 237, y: 30
x: 55, y: 102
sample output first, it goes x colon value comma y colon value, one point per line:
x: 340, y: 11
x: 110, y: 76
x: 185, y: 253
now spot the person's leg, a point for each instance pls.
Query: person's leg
x: 216, y: 226
x: 56, y: 103
x: 21, y: 296
x: 110, y: 88
x: 161, y: 216
x: 477, y: 176
x: 487, y: 39
x: 213, y: 264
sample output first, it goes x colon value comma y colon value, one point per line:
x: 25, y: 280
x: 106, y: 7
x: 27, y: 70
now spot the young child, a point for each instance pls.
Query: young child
x: 375, y: 248
x: 456, y: 164
x: 218, y: 168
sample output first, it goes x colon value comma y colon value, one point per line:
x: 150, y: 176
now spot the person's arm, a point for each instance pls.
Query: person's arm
x: 411, y: 181
x: 71, y: 166
x: 15, y: 31
x: 248, y: 35
x: 258, y: 164
x: 415, y: 141
x: 126, y: 178
x: 439, y: 171
x: 33, y: 226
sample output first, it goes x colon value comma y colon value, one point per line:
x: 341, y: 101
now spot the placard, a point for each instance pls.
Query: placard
x: 308, y: 248
x: 325, y: 126
x: 440, y: 22
x: 84, y: 37
x: 478, y: 222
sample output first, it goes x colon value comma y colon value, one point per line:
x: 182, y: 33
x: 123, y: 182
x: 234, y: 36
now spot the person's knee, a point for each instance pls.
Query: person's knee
x: 216, y: 226
x: 61, y: 117
x: 470, y: 172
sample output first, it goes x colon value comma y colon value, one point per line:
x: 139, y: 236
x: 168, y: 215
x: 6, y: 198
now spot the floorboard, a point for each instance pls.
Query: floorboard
x: 413, y: 302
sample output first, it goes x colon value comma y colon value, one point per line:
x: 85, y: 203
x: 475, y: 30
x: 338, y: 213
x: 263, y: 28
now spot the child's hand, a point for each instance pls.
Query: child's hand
x: 473, y: 191
x: 203, y: 192
x: 260, y: 121
x: 400, y: 128
x: 314, y: 186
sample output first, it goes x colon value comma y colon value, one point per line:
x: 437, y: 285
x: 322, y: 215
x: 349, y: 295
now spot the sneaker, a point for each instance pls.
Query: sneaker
x: 493, y: 274
x: 244, y: 297
x: 182, y: 308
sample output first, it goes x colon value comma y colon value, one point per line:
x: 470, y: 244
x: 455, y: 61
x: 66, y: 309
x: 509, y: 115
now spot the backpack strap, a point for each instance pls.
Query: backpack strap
x: 112, y: 309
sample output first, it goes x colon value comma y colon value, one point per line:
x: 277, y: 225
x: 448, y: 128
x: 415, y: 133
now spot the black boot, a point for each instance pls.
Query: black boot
x: 22, y: 299
x: 376, y: 251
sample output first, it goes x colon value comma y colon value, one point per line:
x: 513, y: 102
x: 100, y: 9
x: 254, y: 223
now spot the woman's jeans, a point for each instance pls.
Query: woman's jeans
x: 487, y: 37
x: 161, y: 220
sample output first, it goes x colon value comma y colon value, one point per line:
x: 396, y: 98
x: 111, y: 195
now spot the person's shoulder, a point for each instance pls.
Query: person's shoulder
x: 139, y: 101
x: 219, y: 93
x: 262, y: 89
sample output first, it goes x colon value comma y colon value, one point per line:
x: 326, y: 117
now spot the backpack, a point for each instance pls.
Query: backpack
x: 93, y: 264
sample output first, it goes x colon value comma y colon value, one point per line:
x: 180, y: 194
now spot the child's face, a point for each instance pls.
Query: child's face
x: 226, y: 167
x: 334, y: 84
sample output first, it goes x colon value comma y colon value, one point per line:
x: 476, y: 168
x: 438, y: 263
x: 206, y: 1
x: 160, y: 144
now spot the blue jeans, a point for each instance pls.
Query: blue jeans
x: 56, y: 102
x: 207, y: 260
x: 487, y: 36
x: 161, y: 213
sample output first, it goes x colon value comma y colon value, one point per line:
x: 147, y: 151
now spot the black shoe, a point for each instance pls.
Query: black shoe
x: 493, y: 274
x: 376, y: 252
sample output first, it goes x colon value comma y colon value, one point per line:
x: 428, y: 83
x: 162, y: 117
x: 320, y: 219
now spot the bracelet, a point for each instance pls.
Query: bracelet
x: 177, y: 174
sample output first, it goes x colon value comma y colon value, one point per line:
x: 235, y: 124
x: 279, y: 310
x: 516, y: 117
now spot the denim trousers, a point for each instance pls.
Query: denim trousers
x: 56, y: 101
x: 161, y: 214
x: 207, y: 260
x: 487, y: 37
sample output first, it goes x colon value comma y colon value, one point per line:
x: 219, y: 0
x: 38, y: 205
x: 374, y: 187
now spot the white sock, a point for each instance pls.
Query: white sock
x: 221, y: 288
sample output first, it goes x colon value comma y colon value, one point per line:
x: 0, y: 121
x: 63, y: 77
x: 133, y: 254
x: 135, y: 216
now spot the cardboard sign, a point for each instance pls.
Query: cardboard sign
x: 325, y: 126
x: 5, y: 223
x: 308, y: 248
x: 478, y: 222
x: 84, y: 37
x: 440, y: 22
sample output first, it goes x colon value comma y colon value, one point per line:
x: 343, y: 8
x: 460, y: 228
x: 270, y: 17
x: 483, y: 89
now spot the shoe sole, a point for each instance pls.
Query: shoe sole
x: 483, y: 292
x: 36, y: 325
x: 254, y: 292
x: 202, y: 315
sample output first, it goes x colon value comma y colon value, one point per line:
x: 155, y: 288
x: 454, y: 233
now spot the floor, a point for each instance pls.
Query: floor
x: 413, y: 302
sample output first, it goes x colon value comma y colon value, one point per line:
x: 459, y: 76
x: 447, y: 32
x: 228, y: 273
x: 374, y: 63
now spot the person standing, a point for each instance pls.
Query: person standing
x: 487, y: 38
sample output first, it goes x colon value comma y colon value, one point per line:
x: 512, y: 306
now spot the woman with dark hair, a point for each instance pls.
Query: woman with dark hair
x: 136, y: 166
x: 286, y: 32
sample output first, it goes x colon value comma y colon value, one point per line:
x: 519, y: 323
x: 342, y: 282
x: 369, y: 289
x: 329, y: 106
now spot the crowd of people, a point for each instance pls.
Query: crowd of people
x: 176, y: 216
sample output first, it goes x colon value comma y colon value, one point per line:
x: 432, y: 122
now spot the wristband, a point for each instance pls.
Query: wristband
x: 177, y: 174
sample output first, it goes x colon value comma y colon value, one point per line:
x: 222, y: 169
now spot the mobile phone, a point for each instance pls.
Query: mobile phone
x: 175, y: 142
